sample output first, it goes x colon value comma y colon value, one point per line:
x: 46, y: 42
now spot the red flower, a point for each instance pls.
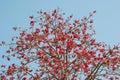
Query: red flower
x: 32, y: 23
x: 76, y: 35
x: 76, y: 21
x: 31, y: 17
x: 3, y: 42
x: 94, y: 11
x: 91, y: 21
x: 37, y: 30
x: 111, y: 78
x: 102, y: 50
x: 15, y: 28
x: 24, y: 78
x: 12, y: 78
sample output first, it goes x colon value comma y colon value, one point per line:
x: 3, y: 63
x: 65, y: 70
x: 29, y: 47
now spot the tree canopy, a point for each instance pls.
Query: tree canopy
x: 56, y: 47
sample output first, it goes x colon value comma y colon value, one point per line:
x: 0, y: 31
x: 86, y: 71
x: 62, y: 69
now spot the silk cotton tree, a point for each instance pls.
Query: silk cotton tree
x: 56, y: 47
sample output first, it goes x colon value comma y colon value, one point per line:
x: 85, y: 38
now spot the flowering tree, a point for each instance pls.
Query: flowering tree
x: 56, y: 47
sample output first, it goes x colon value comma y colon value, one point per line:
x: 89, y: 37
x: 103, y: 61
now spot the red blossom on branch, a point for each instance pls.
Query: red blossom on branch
x: 58, y: 48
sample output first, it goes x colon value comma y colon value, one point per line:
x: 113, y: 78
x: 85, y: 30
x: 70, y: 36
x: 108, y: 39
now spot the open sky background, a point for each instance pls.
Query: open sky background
x: 106, y: 20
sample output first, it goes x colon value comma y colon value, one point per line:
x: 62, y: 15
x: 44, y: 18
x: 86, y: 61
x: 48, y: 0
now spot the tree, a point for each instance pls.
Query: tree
x: 56, y: 47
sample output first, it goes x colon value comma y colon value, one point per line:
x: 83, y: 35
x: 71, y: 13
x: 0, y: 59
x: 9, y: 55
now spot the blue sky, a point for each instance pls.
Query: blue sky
x: 106, y: 20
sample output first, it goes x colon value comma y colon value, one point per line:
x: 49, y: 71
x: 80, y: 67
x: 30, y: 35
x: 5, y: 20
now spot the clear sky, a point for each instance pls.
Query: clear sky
x: 106, y: 20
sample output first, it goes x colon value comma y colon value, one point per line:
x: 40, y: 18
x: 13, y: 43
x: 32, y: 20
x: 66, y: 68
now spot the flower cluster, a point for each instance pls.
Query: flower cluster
x: 60, y: 49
